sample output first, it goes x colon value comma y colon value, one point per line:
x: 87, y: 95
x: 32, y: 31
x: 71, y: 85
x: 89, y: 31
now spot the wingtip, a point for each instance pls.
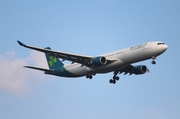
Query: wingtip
x: 20, y: 43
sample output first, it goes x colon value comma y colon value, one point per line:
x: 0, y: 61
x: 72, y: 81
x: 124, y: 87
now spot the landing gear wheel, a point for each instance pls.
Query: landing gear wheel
x: 153, y: 62
x: 89, y: 76
x: 114, y: 77
x: 110, y: 81
x: 114, y: 81
x: 117, y: 78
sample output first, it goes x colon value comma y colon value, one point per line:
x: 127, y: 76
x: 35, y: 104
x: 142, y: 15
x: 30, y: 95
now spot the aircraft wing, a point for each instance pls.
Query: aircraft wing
x: 81, y: 59
x: 139, y: 69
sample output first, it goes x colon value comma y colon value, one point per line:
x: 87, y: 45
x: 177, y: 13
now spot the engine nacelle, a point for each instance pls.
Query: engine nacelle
x: 98, y: 61
x: 140, y: 69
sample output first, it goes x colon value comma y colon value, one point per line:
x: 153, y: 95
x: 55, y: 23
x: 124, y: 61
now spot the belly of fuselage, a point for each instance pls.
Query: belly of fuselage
x: 116, y: 65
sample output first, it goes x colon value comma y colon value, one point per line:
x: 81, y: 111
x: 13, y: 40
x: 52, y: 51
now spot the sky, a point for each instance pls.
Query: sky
x: 88, y: 28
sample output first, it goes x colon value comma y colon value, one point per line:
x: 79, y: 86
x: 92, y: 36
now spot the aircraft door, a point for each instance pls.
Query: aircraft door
x: 149, y: 48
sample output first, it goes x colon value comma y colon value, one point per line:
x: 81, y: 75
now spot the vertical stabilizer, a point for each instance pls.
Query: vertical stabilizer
x: 53, y: 62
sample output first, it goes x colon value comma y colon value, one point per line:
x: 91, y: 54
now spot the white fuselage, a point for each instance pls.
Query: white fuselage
x: 121, y: 58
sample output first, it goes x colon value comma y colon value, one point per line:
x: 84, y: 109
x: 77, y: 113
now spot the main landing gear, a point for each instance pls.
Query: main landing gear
x: 153, y: 61
x: 90, y: 75
x: 115, y: 78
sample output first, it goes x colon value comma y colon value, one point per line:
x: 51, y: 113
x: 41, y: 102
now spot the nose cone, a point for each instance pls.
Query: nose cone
x: 165, y: 47
x: 161, y: 49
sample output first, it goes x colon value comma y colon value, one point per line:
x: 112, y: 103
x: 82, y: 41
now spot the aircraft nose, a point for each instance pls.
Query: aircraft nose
x: 165, y: 47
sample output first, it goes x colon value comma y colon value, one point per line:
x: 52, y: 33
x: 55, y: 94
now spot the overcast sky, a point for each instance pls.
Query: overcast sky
x: 88, y: 28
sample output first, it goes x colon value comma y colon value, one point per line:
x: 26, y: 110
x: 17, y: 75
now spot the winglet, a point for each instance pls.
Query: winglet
x: 21, y: 44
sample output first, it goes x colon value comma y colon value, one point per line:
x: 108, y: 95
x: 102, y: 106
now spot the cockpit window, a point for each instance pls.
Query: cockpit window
x: 160, y: 44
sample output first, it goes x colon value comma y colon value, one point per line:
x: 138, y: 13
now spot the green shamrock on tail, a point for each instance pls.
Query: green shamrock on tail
x: 52, y: 61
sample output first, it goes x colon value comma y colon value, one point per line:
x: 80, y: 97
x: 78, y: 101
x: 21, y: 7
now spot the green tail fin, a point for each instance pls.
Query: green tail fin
x: 53, y: 62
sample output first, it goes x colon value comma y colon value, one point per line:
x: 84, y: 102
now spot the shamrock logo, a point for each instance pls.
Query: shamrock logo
x: 52, y: 61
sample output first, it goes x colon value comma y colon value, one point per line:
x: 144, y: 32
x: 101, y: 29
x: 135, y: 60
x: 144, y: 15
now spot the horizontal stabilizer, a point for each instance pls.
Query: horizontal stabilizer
x: 41, y: 69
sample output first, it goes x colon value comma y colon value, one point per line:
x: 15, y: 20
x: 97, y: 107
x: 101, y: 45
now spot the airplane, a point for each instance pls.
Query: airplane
x: 119, y: 61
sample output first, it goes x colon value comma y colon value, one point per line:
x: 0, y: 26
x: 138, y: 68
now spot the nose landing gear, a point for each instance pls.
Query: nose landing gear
x: 153, y: 60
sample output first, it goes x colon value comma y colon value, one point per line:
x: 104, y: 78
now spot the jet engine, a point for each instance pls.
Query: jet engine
x: 98, y: 61
x: 140, y: 69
